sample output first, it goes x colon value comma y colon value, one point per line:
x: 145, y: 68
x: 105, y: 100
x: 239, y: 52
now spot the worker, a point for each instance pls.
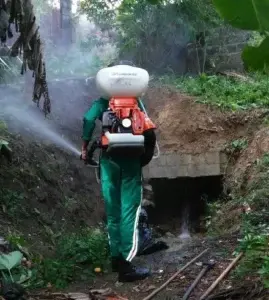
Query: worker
x: 121, y: 182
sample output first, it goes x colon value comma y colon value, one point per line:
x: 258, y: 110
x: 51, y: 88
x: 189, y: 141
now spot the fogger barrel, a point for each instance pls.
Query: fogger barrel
x: 122, y: 81
x: 127, y: 131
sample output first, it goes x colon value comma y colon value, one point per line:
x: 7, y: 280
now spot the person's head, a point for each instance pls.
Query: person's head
x: 121, y: 62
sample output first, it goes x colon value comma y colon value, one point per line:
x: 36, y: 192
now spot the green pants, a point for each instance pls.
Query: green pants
x: 121, y: 182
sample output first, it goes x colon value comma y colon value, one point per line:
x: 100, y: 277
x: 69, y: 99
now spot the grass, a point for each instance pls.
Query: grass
x: 253, y: 224
x: 76, y: 257
x: 225, y: 92
x: 12, y: 203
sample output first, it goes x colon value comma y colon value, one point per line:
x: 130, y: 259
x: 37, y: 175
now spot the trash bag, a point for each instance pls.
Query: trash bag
x: 147, y: 244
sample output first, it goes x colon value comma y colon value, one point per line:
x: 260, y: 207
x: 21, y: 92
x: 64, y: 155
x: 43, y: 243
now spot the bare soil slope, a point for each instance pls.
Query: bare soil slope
x: 244, y: 170
x: 187, y: 126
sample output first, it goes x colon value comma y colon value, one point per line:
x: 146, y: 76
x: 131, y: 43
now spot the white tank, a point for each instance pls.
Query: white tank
x: 122, y: 81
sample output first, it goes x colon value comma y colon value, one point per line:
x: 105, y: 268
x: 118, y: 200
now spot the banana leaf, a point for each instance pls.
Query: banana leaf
x: 22, y: 275
x: 10, y: 260
x: 245, y: 14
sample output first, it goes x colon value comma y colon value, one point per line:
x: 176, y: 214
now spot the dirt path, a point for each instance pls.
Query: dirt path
x: 164, y: 264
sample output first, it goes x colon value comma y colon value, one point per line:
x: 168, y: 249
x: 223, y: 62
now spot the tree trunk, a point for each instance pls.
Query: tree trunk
x: 66, y: 22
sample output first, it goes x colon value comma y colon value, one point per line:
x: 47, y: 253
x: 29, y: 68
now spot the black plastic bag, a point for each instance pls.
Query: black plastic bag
x: 147, y: 244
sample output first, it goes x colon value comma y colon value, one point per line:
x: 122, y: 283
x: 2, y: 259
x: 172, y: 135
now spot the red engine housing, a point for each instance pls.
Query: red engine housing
x: 125, y: 107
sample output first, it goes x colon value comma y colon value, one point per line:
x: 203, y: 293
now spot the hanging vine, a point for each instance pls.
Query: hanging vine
x: 28, y: 44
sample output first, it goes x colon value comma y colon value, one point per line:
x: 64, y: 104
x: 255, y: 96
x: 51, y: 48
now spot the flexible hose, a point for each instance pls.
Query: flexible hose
x: 158, y: 151
x: 96, y: 175
x: 157, y: 145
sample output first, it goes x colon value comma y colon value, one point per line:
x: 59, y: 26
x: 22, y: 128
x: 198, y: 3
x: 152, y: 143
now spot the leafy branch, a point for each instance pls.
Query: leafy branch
x: 249, y: 15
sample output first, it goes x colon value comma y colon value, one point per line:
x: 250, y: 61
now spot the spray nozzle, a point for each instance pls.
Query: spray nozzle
x: 90, y: 161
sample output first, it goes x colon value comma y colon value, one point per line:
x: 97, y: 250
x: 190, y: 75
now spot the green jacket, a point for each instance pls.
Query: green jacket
x: 96, y: 111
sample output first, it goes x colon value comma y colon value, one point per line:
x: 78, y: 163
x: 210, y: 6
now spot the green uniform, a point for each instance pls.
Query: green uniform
x: 121, y: 181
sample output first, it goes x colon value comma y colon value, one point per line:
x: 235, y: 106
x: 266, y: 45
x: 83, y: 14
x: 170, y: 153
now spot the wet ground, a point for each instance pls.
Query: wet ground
x: 164, y: 264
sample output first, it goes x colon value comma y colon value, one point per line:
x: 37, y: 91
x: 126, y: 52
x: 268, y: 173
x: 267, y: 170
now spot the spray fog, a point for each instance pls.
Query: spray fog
x: 42, y: 128
x: 70, y: 59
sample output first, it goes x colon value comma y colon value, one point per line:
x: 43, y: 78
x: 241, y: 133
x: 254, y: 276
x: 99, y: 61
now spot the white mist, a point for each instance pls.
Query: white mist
x: 185, y: 233
x: 41, y: 127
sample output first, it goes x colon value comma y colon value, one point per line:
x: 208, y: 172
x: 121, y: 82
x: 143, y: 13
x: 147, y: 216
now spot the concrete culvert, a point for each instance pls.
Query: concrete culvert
x: 183, y: 201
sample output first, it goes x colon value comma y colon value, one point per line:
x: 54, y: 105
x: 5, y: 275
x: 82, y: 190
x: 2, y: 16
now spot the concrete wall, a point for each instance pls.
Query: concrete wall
x: 186, y: 165
x: 223, y: 50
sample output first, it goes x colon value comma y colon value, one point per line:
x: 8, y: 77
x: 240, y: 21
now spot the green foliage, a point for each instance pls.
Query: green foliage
x: 100, y: 11
x: 251, y: 242
x: 87, y: 247
x: 53, y: 271
x: 245, y: 14
x: 249, y: 15
x: 76, y: 256
x: 83, y: 58
x: 223, y: 218
x: 239, y: 145
x: 87, y: 54
x: 12, y: 203
x: 255, y: 39
x: 257, y: 58
x: 225, y: 92
x: 200, y: 13
x: 152, y: 34
x: 11, y: 268
x: 10, y: 261
x: 154, y: 1
x: 212, y: 209
x: 264, y: 270
x: 254, y: 223
x: 263, y: 163
x: 236, y: 147
x: 16, y: 240
x: 255, y: 258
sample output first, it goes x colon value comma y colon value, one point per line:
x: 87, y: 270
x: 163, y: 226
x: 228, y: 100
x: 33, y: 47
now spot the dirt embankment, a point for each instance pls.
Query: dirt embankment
x: 244, y: 170
x: 45, y: 191
x: 187, y: 126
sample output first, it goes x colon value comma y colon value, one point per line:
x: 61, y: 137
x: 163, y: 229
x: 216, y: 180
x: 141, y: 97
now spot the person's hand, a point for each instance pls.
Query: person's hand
x: 83, y: 153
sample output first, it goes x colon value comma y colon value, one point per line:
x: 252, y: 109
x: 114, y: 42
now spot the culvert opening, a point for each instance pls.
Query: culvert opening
x: 183, y: 201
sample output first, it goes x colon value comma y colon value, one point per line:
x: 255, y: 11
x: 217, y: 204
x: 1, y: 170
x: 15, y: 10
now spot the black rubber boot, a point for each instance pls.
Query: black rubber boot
x: 129, y: 273
x: 115, y: 264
